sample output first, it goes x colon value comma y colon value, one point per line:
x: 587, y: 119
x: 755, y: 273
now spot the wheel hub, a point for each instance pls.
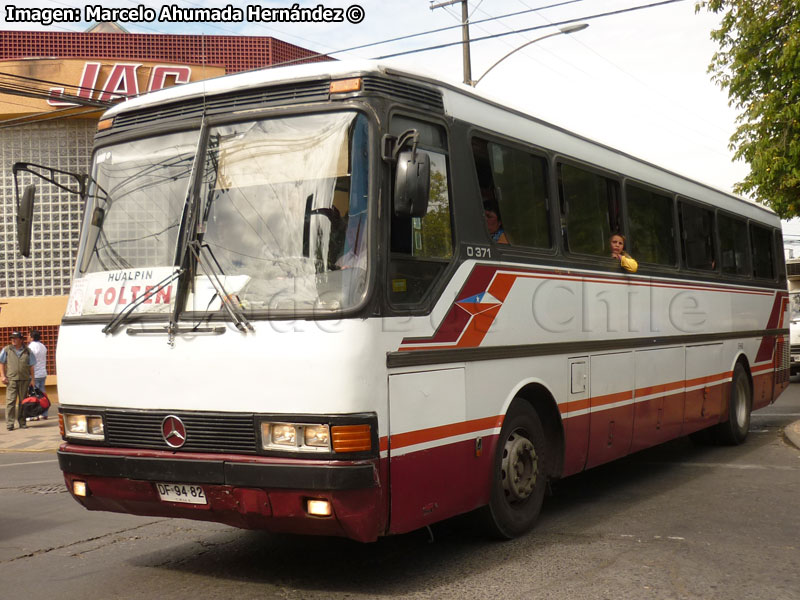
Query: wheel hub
x: 520, y: 468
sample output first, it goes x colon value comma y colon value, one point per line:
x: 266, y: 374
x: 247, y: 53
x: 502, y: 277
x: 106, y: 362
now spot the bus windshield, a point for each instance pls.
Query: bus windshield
x: 281, y: 214
x: 137, y: 196
x: 284, y: 207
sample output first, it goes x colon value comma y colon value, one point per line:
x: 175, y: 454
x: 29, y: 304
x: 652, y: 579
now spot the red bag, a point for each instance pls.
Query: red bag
x: 35, y: 404
x: 35, y: 392
x: 30, y: 407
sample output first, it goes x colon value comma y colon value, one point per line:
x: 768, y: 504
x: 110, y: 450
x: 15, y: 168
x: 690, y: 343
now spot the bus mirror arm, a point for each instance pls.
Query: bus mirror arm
x: 49, y: 174
x: 387, y: 148
x: 26, y: 201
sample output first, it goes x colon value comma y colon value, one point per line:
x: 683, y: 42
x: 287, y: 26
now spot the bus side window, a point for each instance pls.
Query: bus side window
x: 513, y: 184
x: 652, y: 227
x: 591, y: 209
x: 697, y: 235
x: 761, y: 242
x: 422, y: 247
x: 733, y: 245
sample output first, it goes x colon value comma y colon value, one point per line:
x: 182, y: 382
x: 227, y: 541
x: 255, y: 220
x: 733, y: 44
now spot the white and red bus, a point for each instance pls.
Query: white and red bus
x: 288, y: 311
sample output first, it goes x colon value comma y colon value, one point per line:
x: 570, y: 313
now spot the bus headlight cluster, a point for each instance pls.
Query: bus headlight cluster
x: 85, y: 427
x: 313, y: 437
x: 303, y: 437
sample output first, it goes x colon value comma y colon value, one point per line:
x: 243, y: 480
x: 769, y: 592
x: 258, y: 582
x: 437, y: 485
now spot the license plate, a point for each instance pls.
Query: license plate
x: 181, y: 492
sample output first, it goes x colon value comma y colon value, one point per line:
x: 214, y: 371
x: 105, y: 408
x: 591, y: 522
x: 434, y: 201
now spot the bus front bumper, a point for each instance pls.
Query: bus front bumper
x: 247, y: 492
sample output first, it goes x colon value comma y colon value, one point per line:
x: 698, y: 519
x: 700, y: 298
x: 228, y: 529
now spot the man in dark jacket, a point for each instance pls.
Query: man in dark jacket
x: 16, y: 371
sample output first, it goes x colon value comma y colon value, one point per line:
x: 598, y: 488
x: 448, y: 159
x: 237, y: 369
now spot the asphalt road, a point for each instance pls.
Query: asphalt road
x: 678, y: 521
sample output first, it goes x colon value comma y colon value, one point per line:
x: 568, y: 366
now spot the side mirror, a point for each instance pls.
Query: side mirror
x: 412, y: 184
x: 25, y: 220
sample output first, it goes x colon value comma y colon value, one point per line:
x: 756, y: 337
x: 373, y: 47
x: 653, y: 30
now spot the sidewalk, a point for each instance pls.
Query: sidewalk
x: 40, y: 436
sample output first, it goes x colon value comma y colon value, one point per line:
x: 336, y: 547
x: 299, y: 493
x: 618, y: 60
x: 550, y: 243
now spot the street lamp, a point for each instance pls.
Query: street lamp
x: 567, y: 29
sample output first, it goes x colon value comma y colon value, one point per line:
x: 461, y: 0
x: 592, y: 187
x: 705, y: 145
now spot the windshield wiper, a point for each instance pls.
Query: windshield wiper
x: 122, y: 316
x: 229, y: 302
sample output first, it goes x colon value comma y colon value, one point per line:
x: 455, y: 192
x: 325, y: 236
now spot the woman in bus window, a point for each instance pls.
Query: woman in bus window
x: 618, y: 253
x: 491, y: 211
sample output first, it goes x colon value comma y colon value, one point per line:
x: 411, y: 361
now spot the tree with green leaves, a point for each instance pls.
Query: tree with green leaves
x: 437, y: 240
x: 758, y: 62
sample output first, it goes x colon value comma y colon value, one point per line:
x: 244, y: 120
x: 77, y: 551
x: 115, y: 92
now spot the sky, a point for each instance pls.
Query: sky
x: 637, y: 81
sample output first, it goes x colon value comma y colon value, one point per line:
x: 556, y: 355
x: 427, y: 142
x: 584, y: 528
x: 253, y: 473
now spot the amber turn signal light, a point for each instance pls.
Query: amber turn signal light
x: 345, y: 85
x: 351, y: 438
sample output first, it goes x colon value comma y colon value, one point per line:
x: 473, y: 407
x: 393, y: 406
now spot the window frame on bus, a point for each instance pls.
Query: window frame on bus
x: 749, y: 266
x: 510, y: 249
x: 600, y: 259
x: 752, y: 223
x: 780, y: 256
x: 682, y: 200
x: 425, y: 303
x: 676, y: 246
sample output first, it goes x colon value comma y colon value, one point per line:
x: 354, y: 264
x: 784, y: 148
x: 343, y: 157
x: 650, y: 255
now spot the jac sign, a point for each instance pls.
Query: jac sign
x: 92, y: 78
x: 122, y: 80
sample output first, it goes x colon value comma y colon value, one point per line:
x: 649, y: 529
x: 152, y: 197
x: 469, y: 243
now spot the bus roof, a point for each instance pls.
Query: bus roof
x: 471, y: 105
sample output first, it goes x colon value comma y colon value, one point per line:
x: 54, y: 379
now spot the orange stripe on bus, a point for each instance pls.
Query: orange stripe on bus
x: 573, y: 406
x: 478, y: 327
x: 719, y: 378
x: 598, y: 401
x: 412, y: 438
x: 660, y: 389
x: 501, y: 285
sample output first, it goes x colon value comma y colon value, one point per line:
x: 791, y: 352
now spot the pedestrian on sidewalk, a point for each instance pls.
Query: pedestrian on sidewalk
x: 39, y: 350
x: 16, y: 371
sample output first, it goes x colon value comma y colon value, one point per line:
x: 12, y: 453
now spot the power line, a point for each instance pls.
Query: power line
x: 10, y: 123
x: 9, y: 85
x: 497, y: 35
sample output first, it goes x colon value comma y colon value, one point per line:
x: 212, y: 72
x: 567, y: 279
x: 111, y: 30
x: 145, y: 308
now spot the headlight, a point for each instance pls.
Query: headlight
x: 316, y: 435
x: 298, y: 437
x: 85, y: 427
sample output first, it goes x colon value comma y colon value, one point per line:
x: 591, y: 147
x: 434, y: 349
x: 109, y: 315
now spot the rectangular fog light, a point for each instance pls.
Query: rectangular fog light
x: 318, y: 508
x: 79, y: 488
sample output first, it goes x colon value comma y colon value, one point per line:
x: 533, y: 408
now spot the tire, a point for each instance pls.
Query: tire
x: 734, y: 431
x: 519, y: 474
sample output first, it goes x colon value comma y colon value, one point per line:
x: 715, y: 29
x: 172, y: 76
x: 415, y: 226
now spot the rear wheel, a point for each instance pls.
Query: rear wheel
x: 519, y: 477
x: 734, y: 430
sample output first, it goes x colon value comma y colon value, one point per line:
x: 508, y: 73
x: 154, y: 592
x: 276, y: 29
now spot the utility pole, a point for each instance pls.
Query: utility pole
x: 464, y: 36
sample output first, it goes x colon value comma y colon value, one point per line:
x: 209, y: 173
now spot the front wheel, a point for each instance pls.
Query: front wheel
x: 519, y: 476
x: 734, y: 431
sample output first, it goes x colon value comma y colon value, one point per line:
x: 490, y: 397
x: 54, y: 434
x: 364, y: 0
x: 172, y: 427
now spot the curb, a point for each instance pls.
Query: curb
x: 792, y: 434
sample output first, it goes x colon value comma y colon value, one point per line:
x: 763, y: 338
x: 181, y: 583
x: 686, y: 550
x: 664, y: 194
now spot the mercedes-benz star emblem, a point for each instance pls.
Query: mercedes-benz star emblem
x: 173, y: 431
